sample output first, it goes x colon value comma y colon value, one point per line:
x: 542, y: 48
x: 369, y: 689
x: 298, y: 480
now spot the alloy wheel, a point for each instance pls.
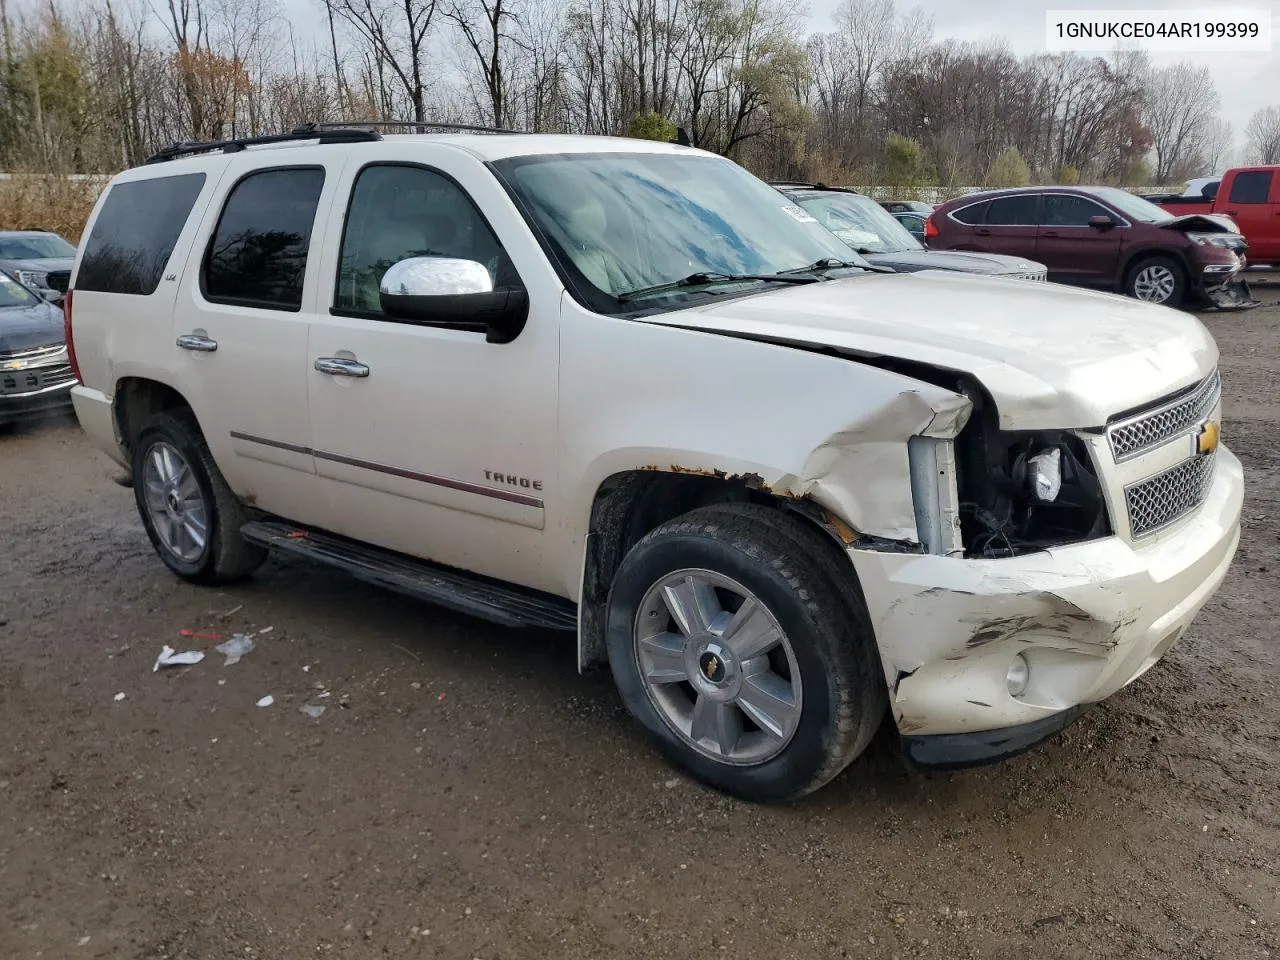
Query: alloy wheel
x: 174, y: 502
x: 718, y: 667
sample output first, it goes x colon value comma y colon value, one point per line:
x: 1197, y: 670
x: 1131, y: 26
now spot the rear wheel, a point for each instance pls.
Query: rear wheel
x: 189, y: 512
x: 739, y: 640
x: 1157, y: 280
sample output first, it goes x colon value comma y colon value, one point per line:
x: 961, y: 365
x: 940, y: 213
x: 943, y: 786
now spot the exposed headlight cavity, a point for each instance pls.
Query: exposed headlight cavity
x: 1023, y: 491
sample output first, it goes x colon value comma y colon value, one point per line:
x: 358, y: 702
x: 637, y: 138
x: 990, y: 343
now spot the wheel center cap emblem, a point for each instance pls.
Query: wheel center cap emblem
x: 712, y: 667
x: 174, y: 501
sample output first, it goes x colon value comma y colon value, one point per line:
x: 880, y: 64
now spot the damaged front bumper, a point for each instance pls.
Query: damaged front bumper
x: 1223, y: 287
x: 1085, y: 620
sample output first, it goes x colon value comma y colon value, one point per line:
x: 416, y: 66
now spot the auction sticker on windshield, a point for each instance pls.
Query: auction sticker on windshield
x: 797, y: 213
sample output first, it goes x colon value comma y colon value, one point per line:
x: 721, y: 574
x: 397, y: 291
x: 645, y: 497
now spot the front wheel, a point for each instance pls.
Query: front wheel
x: 190, y: 514
x: 739, y: 640
x: 1157, y: 280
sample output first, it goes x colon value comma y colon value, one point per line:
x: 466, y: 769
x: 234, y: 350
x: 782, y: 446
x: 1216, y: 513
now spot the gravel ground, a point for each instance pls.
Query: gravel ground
x: 465, y: 794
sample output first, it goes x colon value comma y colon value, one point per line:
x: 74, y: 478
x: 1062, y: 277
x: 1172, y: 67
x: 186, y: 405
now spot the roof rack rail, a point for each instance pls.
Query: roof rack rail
x: 418, y: 125
x: 324, y: 133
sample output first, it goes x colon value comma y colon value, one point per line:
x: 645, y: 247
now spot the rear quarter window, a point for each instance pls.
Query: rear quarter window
x: 135, y: 233
x: 973, y: 213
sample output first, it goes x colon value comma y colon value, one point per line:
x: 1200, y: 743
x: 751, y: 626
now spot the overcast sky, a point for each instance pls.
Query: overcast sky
x: 1246, y: 81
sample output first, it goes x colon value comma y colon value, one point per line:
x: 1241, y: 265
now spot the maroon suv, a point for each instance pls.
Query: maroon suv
x: 1101, y: 237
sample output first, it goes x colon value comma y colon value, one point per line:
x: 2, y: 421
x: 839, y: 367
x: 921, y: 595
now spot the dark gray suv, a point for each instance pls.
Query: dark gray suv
x: 39, y: 259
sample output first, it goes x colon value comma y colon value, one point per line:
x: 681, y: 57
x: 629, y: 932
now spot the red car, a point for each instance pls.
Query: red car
x: 1101, y: 237
x: 1250, y: 196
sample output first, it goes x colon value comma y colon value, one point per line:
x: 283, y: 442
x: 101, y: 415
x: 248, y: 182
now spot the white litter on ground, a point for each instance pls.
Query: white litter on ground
x: 267, y: 701
x: 312, y: 710
x: 235, y: 648
x: 169, y: 658
x: 118, y: 697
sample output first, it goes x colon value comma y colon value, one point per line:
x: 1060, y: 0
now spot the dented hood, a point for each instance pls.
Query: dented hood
x: 1202, y: 222
x: 1052, y: 357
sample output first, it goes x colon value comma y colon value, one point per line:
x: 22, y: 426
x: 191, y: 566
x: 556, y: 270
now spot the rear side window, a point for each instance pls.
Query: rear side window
x: 1253, y: 186
x: 258, y: 254
x: 135, y: 233
x: 974, y: 213
x: 1015, y: 211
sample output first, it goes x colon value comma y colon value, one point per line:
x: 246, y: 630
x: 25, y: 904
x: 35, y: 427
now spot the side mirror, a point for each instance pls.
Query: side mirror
x: 52, y: 296
x: 1101, y: 222
x: 453, y: 292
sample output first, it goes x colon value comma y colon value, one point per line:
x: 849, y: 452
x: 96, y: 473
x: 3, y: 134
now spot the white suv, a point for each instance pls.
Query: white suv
x: 627, y: 389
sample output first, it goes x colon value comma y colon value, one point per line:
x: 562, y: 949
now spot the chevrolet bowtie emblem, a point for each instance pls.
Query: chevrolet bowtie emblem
x: 13, y: 365
x: 1207, y: 441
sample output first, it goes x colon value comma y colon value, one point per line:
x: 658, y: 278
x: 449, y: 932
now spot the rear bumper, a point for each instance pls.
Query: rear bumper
x: 1087, y: 619
x: 17, y: 408
x: 97, y: 418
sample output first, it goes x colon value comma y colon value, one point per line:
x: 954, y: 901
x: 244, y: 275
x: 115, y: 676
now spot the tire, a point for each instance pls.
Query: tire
x: 810, y: 732
x: 1157, y: 280
x: 172, y: 441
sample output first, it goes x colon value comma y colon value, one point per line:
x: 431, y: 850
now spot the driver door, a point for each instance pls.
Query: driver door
x: 428, y: 439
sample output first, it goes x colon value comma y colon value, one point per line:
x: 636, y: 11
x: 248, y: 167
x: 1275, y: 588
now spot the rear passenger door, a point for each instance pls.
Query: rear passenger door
x: 1253, y: 202
x: 240, y: 329
x: 1011, y: 226
x: 1073, y: 251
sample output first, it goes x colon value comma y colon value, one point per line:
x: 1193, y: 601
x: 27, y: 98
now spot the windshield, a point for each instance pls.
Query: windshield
x: 1131, y: 205
x: 35, y: 246
x: 860, y: 222
x: 14, y: 294
x: 626, y: 222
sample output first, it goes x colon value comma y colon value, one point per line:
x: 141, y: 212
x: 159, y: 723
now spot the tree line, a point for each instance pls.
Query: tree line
x: 99, y: 85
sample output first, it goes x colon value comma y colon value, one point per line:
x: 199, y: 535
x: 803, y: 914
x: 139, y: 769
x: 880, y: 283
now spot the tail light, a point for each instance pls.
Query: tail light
x: 930, y: 228
x: 66, y: 333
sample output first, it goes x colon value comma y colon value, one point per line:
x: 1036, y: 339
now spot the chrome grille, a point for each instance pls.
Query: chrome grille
x: 32, y: 355
x: 1160, y: 500
x: 1151, y: 428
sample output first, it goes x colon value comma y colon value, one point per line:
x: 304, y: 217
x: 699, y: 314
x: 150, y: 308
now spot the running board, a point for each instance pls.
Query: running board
x: 467, y: 593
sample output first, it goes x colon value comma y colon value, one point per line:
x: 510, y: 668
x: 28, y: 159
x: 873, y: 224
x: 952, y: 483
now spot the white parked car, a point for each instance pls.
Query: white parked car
x: 627, y: 389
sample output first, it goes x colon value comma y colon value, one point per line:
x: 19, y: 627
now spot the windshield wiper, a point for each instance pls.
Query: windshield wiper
x: 831, y: 263
x: 708, y: 278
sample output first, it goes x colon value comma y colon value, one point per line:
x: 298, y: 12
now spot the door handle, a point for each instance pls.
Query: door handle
x: 1049, y: 233
x: 982, y: 232
x: 1233, y: 213
x: 341, y: 367
x: 194, y: 341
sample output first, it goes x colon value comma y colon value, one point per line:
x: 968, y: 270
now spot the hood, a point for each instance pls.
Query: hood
x: 1052, y: 357
x: 908, y: 261
x: 1202, y: 222
x: 25, y: 328
x: 42, y: 264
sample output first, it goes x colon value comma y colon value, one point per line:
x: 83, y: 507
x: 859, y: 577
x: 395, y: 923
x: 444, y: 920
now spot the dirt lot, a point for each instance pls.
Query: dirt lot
x: 466, y: 794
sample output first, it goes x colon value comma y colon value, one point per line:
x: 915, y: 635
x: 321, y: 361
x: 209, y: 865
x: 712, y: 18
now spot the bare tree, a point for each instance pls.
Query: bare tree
x: 1180, y: 106
x: 489, y: 33
x: 395, y: 35
x: 1263, y: 136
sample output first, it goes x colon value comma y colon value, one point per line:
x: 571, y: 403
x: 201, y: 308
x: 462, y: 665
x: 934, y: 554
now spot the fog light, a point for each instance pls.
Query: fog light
x: 1045, y: 471
x: 1019, y: 674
